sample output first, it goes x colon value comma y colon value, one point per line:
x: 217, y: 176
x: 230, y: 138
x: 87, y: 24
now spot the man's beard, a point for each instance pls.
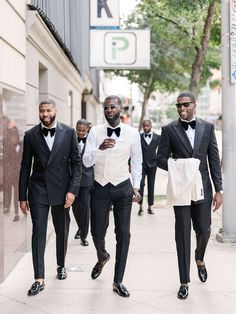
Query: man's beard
x: 112, y: 121
x: 47, y: 123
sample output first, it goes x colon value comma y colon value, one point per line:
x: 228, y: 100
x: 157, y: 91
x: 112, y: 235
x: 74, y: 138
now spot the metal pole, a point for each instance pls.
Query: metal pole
x: 228, y: 232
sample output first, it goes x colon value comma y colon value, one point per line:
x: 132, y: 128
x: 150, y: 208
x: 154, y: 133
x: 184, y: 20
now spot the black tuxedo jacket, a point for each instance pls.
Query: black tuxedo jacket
x: 175, y: 143
x: 55, y: 172
x: 150, y: 151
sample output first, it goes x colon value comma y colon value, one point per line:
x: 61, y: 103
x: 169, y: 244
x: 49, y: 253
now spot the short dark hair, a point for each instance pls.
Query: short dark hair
x: 187, y: 94
x: 48, y: 102
x: 82, y: 122
x: 113, y: 97
x: 148, y: 121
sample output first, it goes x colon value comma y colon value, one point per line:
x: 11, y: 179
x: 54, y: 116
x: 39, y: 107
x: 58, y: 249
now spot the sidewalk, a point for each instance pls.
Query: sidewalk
x: 151, y: 274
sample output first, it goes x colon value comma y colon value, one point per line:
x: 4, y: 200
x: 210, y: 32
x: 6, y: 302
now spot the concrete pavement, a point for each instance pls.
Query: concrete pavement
x: 151, y: 274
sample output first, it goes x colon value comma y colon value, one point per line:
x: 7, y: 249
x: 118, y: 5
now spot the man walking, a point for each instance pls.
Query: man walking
x: 81, y: 205
x: 192, y: 139
x: 149, y: 142
x: 53, y: 182
x: 109, y: 147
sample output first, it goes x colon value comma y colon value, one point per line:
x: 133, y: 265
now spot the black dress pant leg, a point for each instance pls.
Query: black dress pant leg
x: 84, y: 210
x: 61, y: 222
x: 183, y: 240
x: 100, y: 209
x: 142, y: 184
x: 151, y: 175
x: 122, y: 198
x: 201, y: 218
x: 39, y: 216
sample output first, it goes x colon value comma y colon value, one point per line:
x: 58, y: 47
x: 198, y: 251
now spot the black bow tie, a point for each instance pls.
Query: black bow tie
x: 45, y: 131
x: 186, y: 124
x: 82, y: 139
x: 147, y: 135
x: 110, y: 131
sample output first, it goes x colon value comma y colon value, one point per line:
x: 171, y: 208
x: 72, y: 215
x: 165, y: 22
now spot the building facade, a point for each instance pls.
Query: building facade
x: 43, y: 49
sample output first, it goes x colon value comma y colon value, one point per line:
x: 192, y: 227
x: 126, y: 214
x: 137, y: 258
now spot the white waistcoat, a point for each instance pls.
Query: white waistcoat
x: 112, y: 164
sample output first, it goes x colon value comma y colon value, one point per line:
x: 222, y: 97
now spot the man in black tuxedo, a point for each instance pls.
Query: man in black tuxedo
x: 81, y: 205
x: 109, y: 147
x: 53, y: 182
x: 192, y: 137
x: 149, y: 142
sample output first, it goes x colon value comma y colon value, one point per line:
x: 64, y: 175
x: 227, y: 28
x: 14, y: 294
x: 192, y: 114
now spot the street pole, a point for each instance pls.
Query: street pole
x: 228, y: 42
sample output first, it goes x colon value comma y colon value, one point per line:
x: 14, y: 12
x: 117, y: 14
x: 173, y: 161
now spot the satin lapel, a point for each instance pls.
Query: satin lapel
x: 199, y: 131
x: 40, y: 139
x: 57, y: 141
x: 183, y: 136
x: 143, y: 140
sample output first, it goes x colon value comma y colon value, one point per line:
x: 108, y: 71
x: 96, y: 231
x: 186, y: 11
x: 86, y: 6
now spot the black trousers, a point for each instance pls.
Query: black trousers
x: 150, y: 173
x: 81, y: 210
x: 61, y: 222
x: 101, y: 198
x: 200, y: 215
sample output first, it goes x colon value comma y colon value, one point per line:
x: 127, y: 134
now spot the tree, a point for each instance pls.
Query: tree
x: 185, y: 37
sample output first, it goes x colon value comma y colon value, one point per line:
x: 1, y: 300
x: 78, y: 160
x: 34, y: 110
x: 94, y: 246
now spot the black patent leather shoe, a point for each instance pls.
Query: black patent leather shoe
x: 78, y: 234
x: 202, y: 273
x: 84, y: 242
x: 140, y: 212
x: 120, y: 289
x: 36, y: 288
x: 150, y: 211
x: 61, y: 273
x: 97, y: 269
x: 183, y: 292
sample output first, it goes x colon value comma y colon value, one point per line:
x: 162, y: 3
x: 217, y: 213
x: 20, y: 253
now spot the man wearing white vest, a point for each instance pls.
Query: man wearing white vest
x: 109, y: 147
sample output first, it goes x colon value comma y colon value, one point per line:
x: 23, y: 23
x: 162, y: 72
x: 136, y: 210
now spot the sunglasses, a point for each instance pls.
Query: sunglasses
x: 109, y: 107
x: 185, y: 104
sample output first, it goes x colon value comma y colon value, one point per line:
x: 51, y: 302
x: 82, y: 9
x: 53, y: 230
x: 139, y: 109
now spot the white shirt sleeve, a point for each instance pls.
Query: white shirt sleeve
x: 136, y: 161
x: 91, y: 149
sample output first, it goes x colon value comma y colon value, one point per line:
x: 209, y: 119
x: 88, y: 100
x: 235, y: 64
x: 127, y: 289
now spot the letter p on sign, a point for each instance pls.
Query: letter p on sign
x: 120, y: 48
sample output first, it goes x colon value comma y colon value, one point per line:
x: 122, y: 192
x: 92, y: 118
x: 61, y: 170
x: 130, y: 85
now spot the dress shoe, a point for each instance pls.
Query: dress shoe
x: 183, y: 292
x: 16, y: 218
x: 202, y: 272
x: 140, y: 212
x: 61, y: 273
x: 78, y: 234
x: 97, y: 269
x: 120, y: 289
x: 36, y: 288
x: 84, y: 242
x: 150, y: 211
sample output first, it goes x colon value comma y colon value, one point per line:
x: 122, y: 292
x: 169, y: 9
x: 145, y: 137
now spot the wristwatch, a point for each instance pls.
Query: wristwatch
x: 221, y: 192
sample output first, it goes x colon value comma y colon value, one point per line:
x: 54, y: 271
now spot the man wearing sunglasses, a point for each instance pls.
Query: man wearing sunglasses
x: 109, y: 147
x: 186, y: 138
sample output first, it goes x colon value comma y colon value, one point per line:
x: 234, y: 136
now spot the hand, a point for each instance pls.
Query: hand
x: 217, y: 201
x: 24, y: 206
x: 70, y: 197
x: 107, y: 143
x: 136, y: 196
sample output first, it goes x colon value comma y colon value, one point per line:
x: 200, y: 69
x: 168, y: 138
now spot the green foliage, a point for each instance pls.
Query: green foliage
x: 176, y: 31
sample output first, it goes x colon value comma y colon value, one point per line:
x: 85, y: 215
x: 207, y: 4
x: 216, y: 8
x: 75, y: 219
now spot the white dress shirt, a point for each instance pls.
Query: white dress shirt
x: 49, y: 139
x: 147, y: 138
x: 190, y: 133
x: 111, y: 165
x: 81, y: 145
